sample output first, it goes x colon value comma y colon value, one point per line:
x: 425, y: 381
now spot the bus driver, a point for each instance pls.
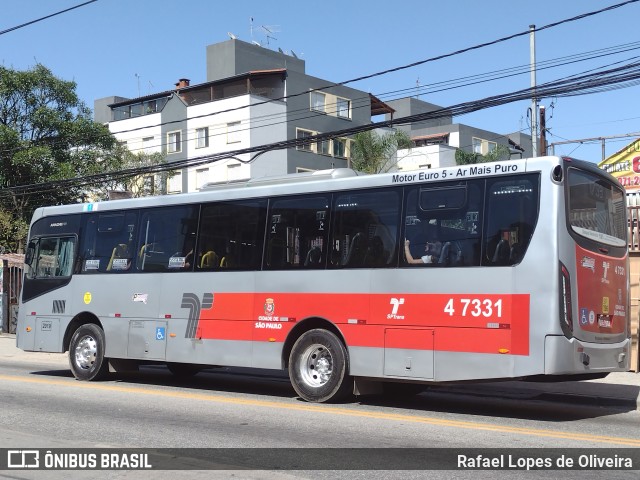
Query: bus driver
x: 432, y: 252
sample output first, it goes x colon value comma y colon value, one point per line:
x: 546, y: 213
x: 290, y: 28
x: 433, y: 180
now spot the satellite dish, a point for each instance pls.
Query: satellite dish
x: 294, y: 54
x: 256, y: 43
x: 280, y: 50
x: 232, y: 36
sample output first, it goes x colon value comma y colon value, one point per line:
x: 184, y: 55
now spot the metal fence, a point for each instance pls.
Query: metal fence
x: 11, y: 268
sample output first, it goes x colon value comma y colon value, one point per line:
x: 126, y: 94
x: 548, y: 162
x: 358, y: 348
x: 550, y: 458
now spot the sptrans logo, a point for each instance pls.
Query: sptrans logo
x: 395, y: 303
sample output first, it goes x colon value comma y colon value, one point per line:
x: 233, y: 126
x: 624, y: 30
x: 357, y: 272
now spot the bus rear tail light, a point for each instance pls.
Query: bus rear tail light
x: 566, y: 306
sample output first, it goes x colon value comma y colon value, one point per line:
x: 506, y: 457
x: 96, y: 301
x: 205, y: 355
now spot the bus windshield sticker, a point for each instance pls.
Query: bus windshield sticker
x: 93, y: 264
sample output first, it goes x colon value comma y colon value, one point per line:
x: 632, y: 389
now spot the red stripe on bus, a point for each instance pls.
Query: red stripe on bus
x: 480, y: 323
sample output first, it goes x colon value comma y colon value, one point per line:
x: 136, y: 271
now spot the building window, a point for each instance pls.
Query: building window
x: 301, y: 135
x: 234, y: 172
x: 476, y: 144
x: 340, y: 148
x: 233, y: 132
x: 174, y: 144
x: 175, y: 183
x: 343, y: 107
x: 324, y: 147
x: 147, y: 144
x: 202, y: 137
x: 318, y: 102
x: 202, y: 177
x: 483, y: 147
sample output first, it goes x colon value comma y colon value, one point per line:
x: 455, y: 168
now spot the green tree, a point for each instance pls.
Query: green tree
x: 501, y: 152
x: 138, y: 185
x: 46, y: 135
x: 373, y: 153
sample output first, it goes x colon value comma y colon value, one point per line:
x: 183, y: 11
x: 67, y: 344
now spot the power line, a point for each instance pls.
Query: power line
x: 423, y: 87
x: 46, y: 17
x: 363, y: 102
x: 420, y: 62
x: 460, y: 109
x: 624, y: 76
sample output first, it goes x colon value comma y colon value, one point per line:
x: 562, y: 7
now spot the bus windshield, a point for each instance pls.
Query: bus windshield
x: 596, y: 208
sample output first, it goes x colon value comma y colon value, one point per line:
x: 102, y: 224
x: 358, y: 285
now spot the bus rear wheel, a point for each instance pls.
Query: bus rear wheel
x: 86, y: 353
x: 318, y: 367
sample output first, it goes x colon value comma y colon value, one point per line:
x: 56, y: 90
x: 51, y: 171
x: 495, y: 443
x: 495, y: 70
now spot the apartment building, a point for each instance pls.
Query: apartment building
x: 436, y: 140
x: 253, y: 96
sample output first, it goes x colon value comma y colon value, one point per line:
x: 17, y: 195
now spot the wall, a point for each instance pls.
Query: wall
x: 435, y: 156
x: 233, y: 57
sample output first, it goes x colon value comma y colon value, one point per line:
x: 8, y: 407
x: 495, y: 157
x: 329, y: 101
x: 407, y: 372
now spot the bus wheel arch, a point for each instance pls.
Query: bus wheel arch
x: 301, y: 328
x: 318, y: 362
x: 86, y: 345
x: 78, y: 320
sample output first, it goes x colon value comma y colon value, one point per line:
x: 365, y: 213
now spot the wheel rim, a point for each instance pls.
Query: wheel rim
x: 86, y: 352
x: 316, y: 366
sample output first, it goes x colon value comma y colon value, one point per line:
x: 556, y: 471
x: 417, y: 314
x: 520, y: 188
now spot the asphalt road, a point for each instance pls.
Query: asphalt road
x: 43, y: 406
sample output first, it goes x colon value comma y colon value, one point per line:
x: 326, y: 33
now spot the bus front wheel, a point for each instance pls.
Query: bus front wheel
x: 318, y: 367
x: 86, y: 353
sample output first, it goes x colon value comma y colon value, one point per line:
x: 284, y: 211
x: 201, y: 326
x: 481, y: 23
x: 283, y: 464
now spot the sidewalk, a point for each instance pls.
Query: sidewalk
x: 620, y: 389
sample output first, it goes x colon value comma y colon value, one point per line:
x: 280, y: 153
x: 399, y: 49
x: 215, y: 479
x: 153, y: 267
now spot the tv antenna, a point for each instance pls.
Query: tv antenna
x: 269, y: 31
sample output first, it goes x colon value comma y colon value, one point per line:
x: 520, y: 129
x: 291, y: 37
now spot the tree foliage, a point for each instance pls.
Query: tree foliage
x: 138, y: 185
x: 46, y: 134
x: 501, y: 152
x: 373, y: 153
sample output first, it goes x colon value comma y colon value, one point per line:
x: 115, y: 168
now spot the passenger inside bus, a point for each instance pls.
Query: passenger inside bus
x: 433, y: 252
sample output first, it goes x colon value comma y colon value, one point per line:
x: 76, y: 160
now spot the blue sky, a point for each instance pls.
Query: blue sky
x: 136, y: 47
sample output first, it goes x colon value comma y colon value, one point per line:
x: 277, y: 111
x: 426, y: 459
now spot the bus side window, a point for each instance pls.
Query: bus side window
x: 449, y: 215
x: 167, y: 239
x: 53, y: 257
x: 512, y: 209
x: 231, y: 236
x: 365, y: 229
x: 297, y: 233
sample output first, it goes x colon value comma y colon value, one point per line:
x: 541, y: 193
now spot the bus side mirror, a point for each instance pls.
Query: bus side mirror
x: 30, y: 253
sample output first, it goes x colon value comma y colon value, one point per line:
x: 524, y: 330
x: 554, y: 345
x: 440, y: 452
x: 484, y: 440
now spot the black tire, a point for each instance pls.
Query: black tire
x: 86, y: 353
x: 318, y: 367
x: 183, y: 370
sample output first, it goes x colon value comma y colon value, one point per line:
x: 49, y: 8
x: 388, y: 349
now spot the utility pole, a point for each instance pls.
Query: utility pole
x: 534, y: 102
x: 543, y: 131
